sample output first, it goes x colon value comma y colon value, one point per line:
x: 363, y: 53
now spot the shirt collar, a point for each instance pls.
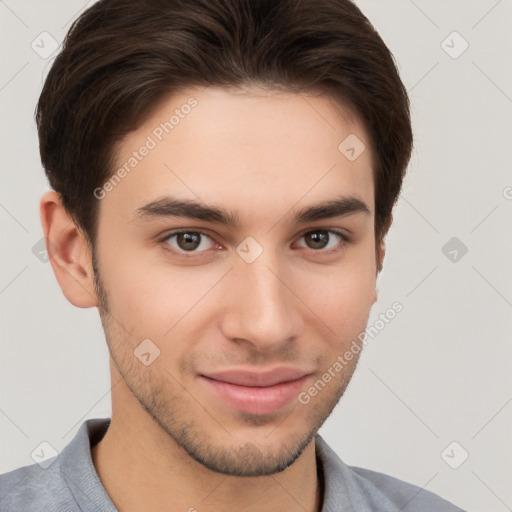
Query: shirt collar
x: 335, y: 475
x: 84, y: 483
x: 78, y: 469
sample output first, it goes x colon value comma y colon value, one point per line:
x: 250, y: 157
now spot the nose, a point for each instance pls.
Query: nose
x: 261, y: 309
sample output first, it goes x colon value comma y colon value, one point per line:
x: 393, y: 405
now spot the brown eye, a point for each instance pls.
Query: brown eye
x: 189, y: 241
x: 322, y: 239
x: 317, y: 239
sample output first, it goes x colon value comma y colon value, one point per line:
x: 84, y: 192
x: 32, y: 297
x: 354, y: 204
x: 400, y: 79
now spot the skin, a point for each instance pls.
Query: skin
x: 264, y: 155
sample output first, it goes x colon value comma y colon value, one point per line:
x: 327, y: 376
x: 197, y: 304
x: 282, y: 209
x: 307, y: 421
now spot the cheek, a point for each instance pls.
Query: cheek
x: 148, y: 296
x: 342, y: 298
x: 344, y: 306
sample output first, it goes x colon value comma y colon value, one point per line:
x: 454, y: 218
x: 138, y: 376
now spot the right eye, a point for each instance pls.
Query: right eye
x: 187, y: 241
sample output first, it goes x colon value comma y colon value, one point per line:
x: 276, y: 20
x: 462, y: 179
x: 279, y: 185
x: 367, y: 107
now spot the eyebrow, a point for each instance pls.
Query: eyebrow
x: 187, y: 208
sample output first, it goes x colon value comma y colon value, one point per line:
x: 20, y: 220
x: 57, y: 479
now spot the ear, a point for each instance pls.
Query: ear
x: 68, y: 252
x: 379, y: 254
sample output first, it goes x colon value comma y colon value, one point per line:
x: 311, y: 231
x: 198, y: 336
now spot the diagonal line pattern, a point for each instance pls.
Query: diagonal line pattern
x: 14, y: 76
x: 300, y: 299
x: 13, y: 279
x: 492, y: 286
x: 508, y: 508
x: 196, y: 400
x: 214, y: 489
x: 419, y: 490
x: 492, y: 81
x: 488, y: 215
x: 165, y: 165
x: 92, y: 296
x: 204, y: 295
x: 279, y: 424
x: 25, y: 475
x: 78, y: 487
x: 424, y: 13
x: 14, y: 423
x: 301, y: 198
x: 486, y: 14
x: 13, y: 13
x: 103, y: 396
x: 403, y: 403
x: 423, y: 77
x: 423, y: 280
x: 77, y: 14
x: 287, y: 492
x: 313, y: 108
x: 14, y: 218
x: 501, y: 409
x: 420, y: 214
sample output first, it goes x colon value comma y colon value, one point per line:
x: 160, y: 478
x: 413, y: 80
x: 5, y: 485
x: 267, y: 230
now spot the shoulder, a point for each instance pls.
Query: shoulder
x: 67, y: 482
x: 35, y: 488
x: 401, y: 495
x: 363, y: 489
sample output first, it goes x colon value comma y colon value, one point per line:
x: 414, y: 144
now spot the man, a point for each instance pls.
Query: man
x: 223, y: 175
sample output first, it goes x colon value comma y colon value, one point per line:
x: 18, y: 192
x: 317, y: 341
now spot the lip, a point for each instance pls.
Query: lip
x: 258, y: 379
x: 256, y: 392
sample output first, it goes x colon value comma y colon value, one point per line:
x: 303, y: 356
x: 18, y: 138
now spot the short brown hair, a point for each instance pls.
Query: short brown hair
x: 120, y: 58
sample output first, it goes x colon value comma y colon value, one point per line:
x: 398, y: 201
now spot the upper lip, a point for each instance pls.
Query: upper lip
x: 258, y: 379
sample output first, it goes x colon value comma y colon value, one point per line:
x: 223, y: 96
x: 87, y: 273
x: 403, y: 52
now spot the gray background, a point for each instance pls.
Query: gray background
x: 438, y: 373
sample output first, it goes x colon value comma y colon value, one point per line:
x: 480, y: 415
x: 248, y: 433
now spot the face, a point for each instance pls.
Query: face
x: 235, y: 264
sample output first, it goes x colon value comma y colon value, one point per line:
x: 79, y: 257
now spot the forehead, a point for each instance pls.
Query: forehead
x: 246, y: 149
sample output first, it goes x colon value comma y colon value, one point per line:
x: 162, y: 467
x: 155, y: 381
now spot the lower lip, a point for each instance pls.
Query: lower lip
x: 256, y: 400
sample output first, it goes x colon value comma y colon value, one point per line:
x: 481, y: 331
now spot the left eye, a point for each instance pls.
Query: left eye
x: 189, y: 241
x: 322, y: 239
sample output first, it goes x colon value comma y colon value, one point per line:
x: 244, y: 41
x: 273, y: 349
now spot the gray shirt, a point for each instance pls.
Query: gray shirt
x: 70, y: 483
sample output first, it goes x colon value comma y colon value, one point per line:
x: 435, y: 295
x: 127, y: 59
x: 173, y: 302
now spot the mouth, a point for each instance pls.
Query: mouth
x: 256, y: 392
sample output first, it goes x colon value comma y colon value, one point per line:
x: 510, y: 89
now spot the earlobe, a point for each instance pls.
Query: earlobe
x: 68, y: 252
x: 380, y: 256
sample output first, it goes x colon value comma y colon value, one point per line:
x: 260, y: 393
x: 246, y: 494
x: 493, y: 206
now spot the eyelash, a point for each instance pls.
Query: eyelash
x: 341, y: 237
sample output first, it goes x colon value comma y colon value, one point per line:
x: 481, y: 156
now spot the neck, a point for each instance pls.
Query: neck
x: 143, y: 468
